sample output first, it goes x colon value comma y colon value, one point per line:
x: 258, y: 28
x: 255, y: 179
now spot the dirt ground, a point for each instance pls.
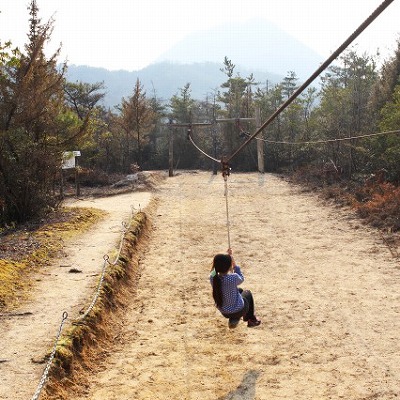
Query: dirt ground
x: 28, y: 334
x: 326, y: 288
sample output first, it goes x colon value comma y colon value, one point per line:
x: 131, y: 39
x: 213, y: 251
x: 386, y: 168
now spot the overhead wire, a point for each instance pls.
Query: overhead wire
x: 296, y: 93
x: 225, y: 160
x: 322, y: 141
x: 322, y: 67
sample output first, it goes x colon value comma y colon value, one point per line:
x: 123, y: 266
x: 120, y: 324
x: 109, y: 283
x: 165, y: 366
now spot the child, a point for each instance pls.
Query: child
x: 231, y: 301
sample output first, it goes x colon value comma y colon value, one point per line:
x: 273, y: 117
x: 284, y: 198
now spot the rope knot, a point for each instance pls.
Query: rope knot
x: 189, y: 132
x: 226, y: 169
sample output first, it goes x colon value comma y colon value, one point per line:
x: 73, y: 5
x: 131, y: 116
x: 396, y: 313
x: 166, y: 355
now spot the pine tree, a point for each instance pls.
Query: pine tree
x: 137, y: 118
x: 32, y: 97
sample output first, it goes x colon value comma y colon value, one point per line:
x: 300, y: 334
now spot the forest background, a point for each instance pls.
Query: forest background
x: 343, y: 135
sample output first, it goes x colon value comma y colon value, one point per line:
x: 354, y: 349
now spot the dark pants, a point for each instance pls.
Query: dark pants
x: 247, y: 312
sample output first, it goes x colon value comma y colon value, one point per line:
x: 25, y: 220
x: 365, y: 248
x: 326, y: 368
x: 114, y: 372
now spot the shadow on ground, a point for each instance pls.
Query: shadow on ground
x: 246, y: 389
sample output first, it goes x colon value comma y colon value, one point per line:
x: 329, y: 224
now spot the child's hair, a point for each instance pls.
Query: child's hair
x: 221, y: 265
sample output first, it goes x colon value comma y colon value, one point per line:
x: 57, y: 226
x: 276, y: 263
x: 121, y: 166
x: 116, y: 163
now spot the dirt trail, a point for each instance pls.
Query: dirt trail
x: 326, y: 289
x: 26, y: 339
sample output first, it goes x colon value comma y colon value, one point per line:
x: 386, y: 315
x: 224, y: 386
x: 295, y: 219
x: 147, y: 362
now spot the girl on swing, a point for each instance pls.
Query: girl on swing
x: 233, y: 302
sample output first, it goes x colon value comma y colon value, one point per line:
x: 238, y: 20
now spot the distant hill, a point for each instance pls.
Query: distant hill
x: 254, y: 46
x: 163, y: 79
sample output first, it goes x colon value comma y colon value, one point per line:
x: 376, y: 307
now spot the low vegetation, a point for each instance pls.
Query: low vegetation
x: 29, y: 247
x: 26, y: 249
x: 374, y: 200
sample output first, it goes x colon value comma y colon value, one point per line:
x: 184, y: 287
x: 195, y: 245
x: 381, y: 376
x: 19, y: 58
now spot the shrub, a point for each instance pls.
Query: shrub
x: 380, y: 206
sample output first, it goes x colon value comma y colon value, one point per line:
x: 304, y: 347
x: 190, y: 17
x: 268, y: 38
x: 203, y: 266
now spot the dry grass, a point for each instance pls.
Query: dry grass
x: 379, y: 205
x: 29, y: 248
x: 375, y: 201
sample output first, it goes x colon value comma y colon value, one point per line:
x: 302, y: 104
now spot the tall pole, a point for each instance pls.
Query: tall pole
x: 260, y: 145
x: 62, y: 183
x: 171, y: 153
x: 214, y: 135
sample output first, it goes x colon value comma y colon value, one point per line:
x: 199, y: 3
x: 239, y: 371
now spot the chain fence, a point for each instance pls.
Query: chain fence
x: 96, y: 295
x: 50, y: 360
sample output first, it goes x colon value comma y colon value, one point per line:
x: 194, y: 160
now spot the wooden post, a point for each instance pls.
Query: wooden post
x: 78, y: 187
x: 62, y: 183
x: 214, y: 137
x: 171, y: 153
x: 260, y: 145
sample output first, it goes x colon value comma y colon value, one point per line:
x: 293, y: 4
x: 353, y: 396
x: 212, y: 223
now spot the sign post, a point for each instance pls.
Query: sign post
x: 70, y: 160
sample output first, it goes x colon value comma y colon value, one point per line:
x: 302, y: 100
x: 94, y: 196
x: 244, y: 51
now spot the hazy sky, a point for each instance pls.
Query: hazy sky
x: 130, y: 34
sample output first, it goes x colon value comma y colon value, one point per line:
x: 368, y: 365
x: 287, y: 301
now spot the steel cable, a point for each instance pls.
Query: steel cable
x: 322, y: 141
x: 322, y: 67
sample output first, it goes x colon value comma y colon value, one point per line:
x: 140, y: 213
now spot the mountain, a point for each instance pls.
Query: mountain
x: 163, y: 79
x: 254, y: 46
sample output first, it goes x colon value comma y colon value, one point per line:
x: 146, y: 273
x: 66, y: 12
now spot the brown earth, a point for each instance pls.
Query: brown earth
x: 326, y: 288
x: 28, y: 332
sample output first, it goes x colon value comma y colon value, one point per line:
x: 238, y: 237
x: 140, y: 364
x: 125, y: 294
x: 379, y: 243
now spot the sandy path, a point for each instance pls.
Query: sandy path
x: 326, y: 289
x: 30, y: 337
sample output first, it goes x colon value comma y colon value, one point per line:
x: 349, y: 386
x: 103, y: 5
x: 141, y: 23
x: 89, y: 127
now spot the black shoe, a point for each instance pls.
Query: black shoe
x: 253, y: 322
x: 233, y: 323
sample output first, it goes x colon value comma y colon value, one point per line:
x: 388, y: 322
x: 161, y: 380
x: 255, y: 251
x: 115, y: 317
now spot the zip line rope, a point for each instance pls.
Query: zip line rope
x: 225, y: 161
x: 283, y: 106
x: 322, y: 67
x: 225, y: 174
x: 200, y: 150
